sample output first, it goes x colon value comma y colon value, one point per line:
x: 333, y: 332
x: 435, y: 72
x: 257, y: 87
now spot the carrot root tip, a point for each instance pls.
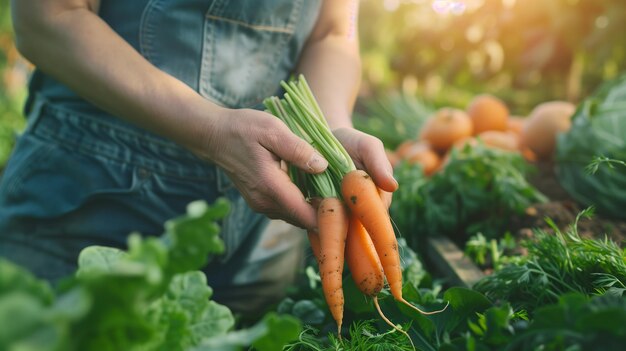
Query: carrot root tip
x: 382, y: 315
x: 424, y: 312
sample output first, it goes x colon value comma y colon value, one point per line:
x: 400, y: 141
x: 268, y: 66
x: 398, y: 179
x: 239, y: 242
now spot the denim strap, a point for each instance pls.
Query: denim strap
x: 36, y: 105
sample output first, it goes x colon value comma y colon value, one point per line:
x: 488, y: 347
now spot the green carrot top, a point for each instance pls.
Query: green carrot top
x: 302, y: 114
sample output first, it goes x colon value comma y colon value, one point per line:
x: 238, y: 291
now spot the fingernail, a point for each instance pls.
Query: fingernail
x: 390, y: 174
x: 317, y: 163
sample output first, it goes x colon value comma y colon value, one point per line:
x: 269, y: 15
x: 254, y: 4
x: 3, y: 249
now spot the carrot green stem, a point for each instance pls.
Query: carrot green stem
x: 311, y: 184
x: 304, y: 117
x: 300, y: 95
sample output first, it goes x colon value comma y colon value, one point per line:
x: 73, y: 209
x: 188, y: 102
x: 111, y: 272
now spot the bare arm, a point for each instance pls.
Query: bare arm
x: 331, y: 60
x: 331, y: 64
x: 67, y: 40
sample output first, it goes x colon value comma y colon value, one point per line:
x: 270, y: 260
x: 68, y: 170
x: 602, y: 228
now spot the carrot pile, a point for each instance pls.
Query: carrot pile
x: 353, y: 223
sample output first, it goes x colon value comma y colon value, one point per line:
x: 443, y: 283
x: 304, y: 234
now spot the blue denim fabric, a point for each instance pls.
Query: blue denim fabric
x: 75, y: 181
x: 233, y: 52
x: 79, y: 176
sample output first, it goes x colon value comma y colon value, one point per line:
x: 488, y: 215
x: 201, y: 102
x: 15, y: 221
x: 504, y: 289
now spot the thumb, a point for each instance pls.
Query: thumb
x: 294, y: 150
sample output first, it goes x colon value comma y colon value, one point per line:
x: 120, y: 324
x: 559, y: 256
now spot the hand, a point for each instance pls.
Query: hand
x: 249, y: 145
x: 368, y: 154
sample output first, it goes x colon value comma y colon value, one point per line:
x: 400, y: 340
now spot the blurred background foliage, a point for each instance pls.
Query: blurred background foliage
x: 442, y: 52
x: 13, y: 78
x: 523, y: 51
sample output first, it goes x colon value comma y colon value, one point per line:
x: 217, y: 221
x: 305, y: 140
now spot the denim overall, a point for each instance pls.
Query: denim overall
x: 79, y: 176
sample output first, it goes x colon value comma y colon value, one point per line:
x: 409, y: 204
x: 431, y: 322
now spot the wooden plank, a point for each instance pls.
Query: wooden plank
x: 450, y: 262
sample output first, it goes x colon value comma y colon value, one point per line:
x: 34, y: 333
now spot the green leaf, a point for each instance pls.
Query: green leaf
x: 270, y: 334
x: 14, y: 278
x: 186, y: 315
x: 464, y: 304
x: 609, y: 321
x: 576, y: 322
x: 142, y: 303
x: 99, y: 258
x: 23, y: 321
x: 598, y: 132
x: 425, y: 324
x: 355, y: 300
x: 189, y: 290
x: 71, y: 305
x: 192, y: 238
x: 478, y: 191
x: 308, y: 312
x: 498, y: 330
x: 30, y: 319
x: 556, y: 265
x: 413, y: 271
x: 215, y: 320
x: 281, y: 330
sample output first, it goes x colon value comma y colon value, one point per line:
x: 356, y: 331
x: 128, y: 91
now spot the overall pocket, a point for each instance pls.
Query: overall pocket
x: 245, y: 44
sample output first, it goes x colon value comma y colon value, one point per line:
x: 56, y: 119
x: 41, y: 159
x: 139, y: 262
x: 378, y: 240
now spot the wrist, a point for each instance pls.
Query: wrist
x: 346, y: 124
x: 339, y: 120
x: 205, y: 129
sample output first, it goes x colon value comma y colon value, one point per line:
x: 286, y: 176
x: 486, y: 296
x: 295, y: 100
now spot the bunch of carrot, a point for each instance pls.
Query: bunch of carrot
x: 353, y: 222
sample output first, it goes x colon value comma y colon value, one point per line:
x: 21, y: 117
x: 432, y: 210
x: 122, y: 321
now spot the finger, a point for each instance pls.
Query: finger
x: 385, y: 197
x: 283, y: 166
x: 289, y: 147
x: 315, y: 202
x: 376, y: 164
x: 369, y: 154
x: 291, y: 205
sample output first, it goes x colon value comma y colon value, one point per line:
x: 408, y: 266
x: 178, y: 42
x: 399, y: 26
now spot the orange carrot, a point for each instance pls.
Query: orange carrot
x: 314, y: 241
x: 362, y: 260
x: 365, y: 266
x: 363, y: 199
x: 332, y: 222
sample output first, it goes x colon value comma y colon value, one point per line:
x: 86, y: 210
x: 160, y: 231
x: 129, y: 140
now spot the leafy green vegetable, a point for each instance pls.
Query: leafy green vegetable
x: 270, y: 334
x: 598, y: 130
x: 488, y: 252
x: 576, y: 323
x: 147, y: 298
x: 30, y: 317
x: 413, y: 271
x: 598, y: 161
x: 305, y: 310
x: 493, y: 326
x: 409, y: 202
x: 363, y: 336
x: 15, y: 279
x: 472, y: 322
x: 558, y: 264
x: 477, y: 191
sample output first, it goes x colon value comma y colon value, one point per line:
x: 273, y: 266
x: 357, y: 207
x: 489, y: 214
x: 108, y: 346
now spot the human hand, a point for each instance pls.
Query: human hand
x: 368, y: 154
x: 249, y: 145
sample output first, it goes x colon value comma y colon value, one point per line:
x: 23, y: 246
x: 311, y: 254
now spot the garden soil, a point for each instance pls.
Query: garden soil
x: 562, y: 209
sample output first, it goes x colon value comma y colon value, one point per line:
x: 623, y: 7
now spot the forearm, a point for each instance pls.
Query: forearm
x: 331, y: 63
x: 332, y: 67
x: 79, y: 49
